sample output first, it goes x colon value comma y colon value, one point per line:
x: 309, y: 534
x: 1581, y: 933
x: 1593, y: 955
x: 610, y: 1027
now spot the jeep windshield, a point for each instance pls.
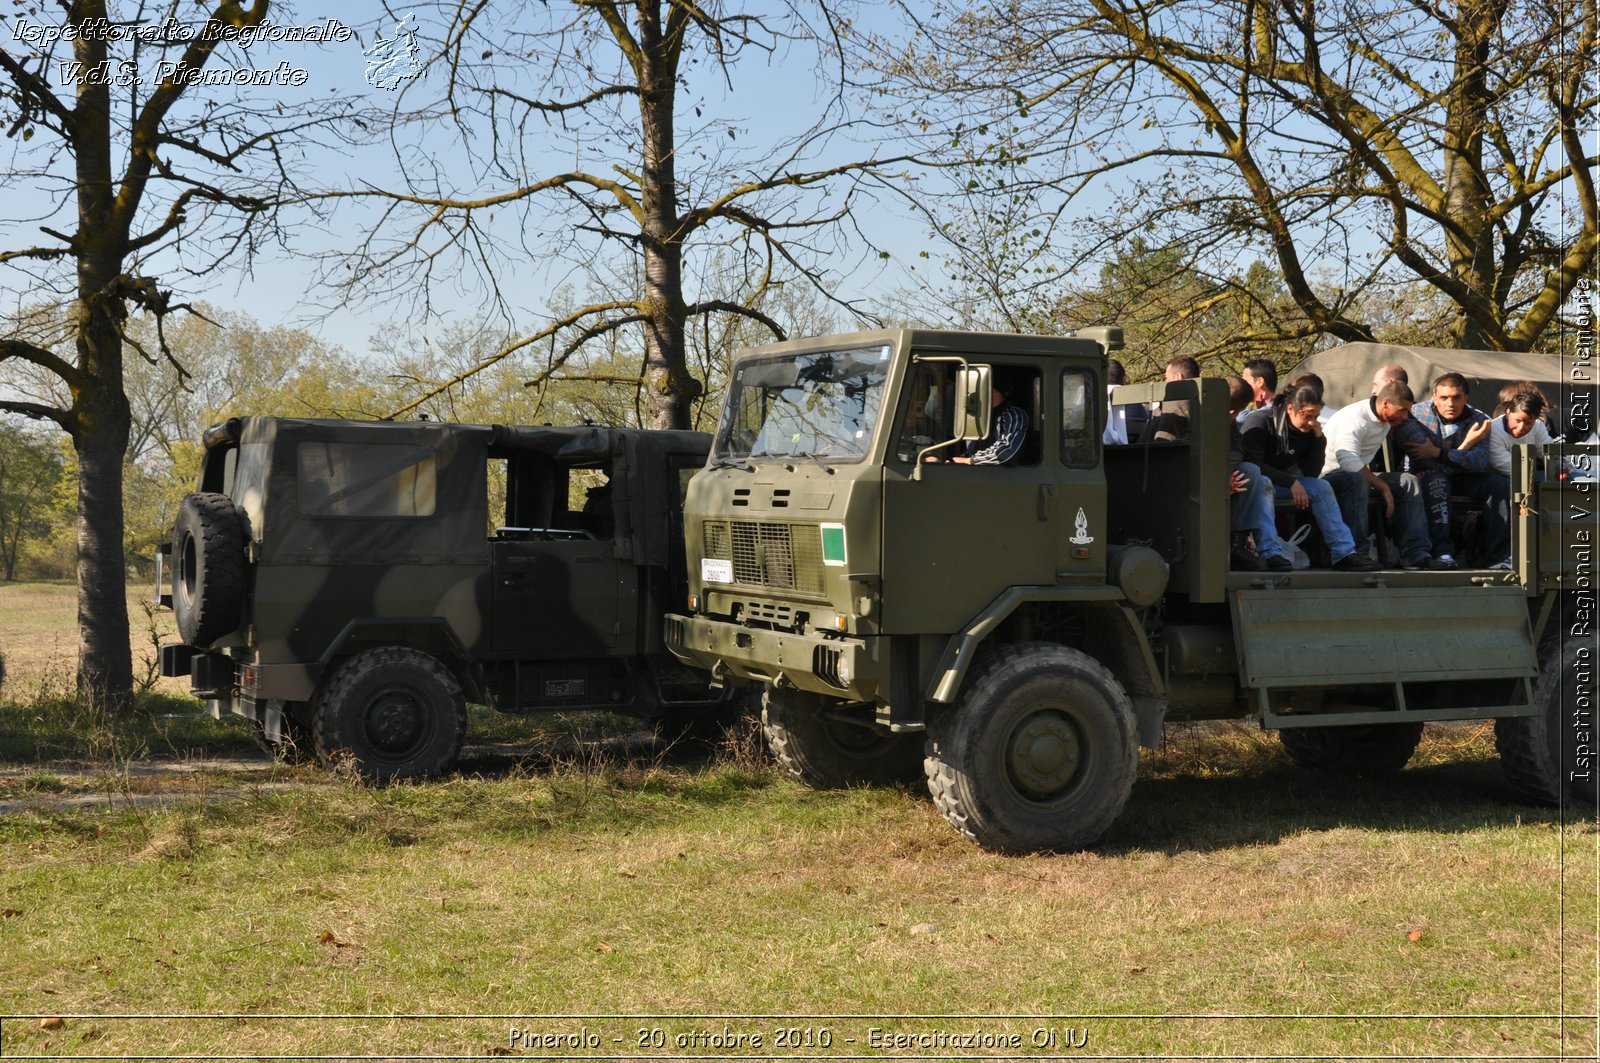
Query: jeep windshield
x: 821, y: 406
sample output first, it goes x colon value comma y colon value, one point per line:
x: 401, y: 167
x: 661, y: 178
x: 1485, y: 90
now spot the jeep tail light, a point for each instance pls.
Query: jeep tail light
x: 247, y: 678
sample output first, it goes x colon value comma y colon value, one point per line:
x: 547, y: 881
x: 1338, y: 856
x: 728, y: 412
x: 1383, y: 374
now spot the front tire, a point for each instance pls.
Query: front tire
x: 1542, y: 753
x: 827, y: 754
x: 1040, y: 754
x: 1362, y: 749
x: 395, y: 712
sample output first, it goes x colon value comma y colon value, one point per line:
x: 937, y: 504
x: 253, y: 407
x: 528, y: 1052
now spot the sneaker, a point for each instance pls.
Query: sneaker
x: 1442, y: 563
x: 1502, y: 566
x: 1416, y: 564
x: 1356, y: 563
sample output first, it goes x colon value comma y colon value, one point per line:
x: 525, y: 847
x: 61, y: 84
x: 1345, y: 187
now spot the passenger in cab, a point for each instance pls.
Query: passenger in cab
x: 1262, y: 377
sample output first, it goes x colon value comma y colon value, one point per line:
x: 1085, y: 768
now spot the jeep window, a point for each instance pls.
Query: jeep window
x: 1080, y: 437
x: 366, y: 480
x: 822, y: 404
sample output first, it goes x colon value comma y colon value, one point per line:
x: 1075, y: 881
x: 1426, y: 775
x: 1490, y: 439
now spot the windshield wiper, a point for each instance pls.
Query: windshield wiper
x: 824, y: 466
x: 729, y: 463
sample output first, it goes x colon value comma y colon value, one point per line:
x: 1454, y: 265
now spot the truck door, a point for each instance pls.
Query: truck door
x: 960, y: 534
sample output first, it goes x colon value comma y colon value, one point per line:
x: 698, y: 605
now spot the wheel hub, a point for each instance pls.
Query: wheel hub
x: 395, y: 721
x: 1045, y: 755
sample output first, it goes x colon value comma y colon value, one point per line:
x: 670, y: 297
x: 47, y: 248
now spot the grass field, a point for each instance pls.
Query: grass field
x: 1239, y: 908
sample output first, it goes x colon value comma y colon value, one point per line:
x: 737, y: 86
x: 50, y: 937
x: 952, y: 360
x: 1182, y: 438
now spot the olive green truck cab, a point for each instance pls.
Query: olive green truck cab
x: 1016, y: 631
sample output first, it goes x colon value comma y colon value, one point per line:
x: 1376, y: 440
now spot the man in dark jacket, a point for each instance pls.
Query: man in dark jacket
x: 1284, y: 440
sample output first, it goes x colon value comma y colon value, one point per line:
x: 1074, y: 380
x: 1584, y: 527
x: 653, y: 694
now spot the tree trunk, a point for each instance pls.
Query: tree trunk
x: 100, y: 406
x: 1471, y: 239
x: 105, y: 662
x: 670, y: 389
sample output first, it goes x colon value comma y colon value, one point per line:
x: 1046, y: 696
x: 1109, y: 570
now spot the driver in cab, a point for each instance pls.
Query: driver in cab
x: 1008, y: 430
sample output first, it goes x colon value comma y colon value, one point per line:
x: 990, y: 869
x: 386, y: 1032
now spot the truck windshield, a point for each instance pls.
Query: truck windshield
x: 821, y: 404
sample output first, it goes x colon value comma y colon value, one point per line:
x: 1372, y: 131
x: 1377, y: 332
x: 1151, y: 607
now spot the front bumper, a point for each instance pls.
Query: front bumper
x: 843, y: 668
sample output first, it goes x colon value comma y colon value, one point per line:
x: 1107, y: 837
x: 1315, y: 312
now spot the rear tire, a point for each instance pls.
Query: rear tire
x: 1531, y: 747
x: 1365, y: 749
x: 1040, y: 753
x: 395, y: 712
x: 827, y: 754
x: 208, y: 577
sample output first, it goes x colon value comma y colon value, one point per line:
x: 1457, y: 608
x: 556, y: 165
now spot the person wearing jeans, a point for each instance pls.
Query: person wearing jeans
x: 1354, y: 437
x: 1284, y: 439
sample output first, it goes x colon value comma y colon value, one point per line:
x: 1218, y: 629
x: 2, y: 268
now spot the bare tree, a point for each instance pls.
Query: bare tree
x: 128, y: 161
x: 584, y: 139
x: 1359, y: 144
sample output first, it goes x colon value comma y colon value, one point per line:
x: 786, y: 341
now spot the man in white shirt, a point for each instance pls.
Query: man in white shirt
x: 1354, y: 436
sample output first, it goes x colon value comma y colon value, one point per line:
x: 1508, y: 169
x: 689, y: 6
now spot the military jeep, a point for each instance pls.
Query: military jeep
x: 350, y: 586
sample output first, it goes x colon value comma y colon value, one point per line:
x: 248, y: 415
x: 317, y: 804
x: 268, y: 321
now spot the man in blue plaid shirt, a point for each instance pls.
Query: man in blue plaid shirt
x: 1445, y: 447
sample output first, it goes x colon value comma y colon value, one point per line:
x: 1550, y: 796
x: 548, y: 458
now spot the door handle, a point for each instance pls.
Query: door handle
x: 1046, y: 493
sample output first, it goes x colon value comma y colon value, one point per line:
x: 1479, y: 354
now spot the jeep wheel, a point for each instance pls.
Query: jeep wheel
x: 1360, y: 749
x: 1540, y: 753
x: 1039, y: 754
x: 208, y: 568
x: 397, y: 713
x: 828, y: 754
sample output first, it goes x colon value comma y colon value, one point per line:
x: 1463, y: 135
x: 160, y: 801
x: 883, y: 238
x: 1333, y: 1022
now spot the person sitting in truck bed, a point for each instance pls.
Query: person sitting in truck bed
x: 1521, y: 422
x: 1284, y: 439
x: 1439, y: 441
x: 1250, y: 508
x: 1172, y: 422
x: 1355, y: 436
x: 1262, y: 376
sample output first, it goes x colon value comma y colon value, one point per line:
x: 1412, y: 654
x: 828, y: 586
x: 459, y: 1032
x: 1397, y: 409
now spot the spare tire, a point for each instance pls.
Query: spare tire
x: 207, y: 568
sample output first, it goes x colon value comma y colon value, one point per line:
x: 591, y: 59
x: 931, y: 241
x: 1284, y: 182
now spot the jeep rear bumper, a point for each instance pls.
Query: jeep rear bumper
x: 847, y: 669
x: 224, y: 676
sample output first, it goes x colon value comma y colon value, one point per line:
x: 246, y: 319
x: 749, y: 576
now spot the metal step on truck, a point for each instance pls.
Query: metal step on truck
x: 1015, y: 632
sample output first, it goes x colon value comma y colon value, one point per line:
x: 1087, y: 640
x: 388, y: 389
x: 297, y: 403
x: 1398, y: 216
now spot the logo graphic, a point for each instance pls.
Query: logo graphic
x: 1081, y: 525
x: 393, y: 62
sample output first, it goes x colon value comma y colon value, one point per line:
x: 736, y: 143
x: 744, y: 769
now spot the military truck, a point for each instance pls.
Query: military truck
x: 1015, y: 632
x: 350, y: 585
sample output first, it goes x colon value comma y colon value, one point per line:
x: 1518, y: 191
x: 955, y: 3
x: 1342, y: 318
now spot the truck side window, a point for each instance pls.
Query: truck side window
x: 929, y: 412
x: 928, y: 415
x: 1080, y: 439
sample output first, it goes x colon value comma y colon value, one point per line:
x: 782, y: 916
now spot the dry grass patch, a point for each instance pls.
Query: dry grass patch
x: 39, y: 637
x: 631, y: 886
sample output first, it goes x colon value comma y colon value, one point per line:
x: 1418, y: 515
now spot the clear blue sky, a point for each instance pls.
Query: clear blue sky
x: 768, y: 99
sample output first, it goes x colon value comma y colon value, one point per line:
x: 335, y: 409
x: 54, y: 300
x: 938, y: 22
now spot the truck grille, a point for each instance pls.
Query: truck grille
x: 768, y: 553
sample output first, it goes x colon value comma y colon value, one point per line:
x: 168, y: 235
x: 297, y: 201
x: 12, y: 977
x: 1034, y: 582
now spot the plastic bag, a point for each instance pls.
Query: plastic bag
x: 1297, y: 556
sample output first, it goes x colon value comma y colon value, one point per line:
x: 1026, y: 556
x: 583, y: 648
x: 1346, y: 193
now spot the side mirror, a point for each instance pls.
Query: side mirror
x: 974, y: 401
